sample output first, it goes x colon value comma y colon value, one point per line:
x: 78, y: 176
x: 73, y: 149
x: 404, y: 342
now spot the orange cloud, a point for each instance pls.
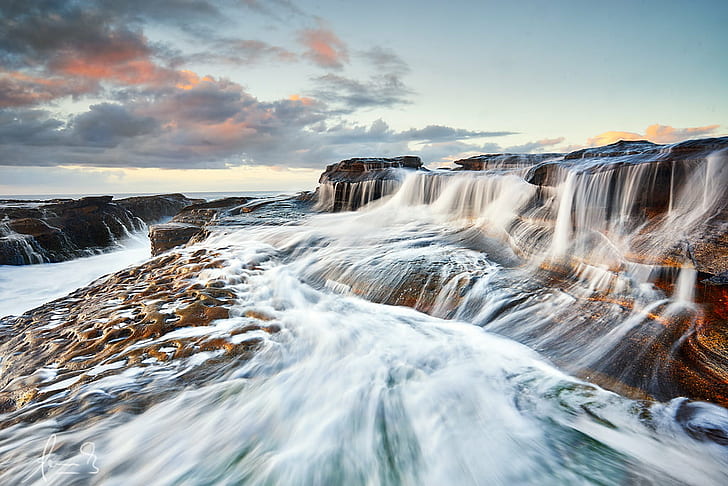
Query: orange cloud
x: 654, y: 133
x: 190, y: 79
x: 304, y: 100
x: 324, y: 47
x: 19, y: 89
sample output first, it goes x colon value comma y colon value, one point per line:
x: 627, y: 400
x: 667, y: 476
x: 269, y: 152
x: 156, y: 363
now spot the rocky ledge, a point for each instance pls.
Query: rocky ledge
x: 63, y: 229
x: 351, y: 183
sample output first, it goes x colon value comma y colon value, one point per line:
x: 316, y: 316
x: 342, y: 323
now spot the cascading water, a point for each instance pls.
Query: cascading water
x: 368, y: 363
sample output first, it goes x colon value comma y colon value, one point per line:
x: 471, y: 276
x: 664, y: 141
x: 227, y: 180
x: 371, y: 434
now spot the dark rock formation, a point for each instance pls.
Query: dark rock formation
x: 152, y: 209
x: 352, y: 183
x: 169, y: 235
x: 668, y: 162
x: 59, y: 230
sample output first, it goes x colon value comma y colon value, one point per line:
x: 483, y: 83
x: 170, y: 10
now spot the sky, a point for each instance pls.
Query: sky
x: 142, y: 96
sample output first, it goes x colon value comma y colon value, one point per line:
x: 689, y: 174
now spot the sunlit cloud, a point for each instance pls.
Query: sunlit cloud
x: 21, y: 89
x: 654, y: 133
x: 323, y: 47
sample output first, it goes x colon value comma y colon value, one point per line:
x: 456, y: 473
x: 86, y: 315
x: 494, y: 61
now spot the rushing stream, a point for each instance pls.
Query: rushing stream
x: 410, y: 346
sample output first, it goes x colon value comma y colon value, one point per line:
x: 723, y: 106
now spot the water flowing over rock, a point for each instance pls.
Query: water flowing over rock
x: 130, y: 319
x: 54, y: 231
x: 352, y: 183
x: 192, y: 224
x: 461, y: 329
x: 624, y: 234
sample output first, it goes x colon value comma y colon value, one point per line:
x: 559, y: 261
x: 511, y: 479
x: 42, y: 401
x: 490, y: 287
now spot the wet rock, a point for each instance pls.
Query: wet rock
x: 670, y: 164
x: 59, y: 230
x: 124, y: 321
x: 152, y: 209
x: 192, y: 224
x: 352, y: 183
x: 169, y: 235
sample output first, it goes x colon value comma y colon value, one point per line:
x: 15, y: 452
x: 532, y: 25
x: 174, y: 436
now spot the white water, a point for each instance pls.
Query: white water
x: 25, y: 287
x: 356, y: 393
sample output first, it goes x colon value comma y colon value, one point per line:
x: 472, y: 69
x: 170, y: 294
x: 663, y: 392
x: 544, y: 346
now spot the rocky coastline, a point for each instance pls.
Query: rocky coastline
x: 694, y: 347
x: 60, y: 230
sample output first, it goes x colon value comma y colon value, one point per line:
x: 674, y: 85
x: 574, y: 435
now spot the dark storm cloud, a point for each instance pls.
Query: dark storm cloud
x: 107, y: 125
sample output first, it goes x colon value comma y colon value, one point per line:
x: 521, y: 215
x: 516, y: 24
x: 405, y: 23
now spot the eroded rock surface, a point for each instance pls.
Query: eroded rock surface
x: 131, y: 320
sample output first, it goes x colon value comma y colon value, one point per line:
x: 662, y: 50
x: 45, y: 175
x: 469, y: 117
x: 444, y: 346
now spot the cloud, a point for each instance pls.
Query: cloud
x: 537, y: 146
x: 108, y: 125
x: 379, y: 91
x: 56, y: 49
x: 21, y: 89
x: 384, y: 89
x: 211, y: 123
x: 276, y: 9
x: 433, y: 133
x: 239, y: 52
x: 29, y: 128
x: 654, y: 133
x: 384, y: 59
x: 323, y: 47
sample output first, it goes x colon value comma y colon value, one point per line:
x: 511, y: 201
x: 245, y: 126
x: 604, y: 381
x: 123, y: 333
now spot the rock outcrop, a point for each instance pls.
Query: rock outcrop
x: 352, y: 183
x: 192, y: 223
x: 59, y: 230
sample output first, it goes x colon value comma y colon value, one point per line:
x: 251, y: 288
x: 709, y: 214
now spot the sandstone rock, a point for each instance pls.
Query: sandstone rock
x: 127, y: 318
x: 169, y: 235
x: 351, y: 183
